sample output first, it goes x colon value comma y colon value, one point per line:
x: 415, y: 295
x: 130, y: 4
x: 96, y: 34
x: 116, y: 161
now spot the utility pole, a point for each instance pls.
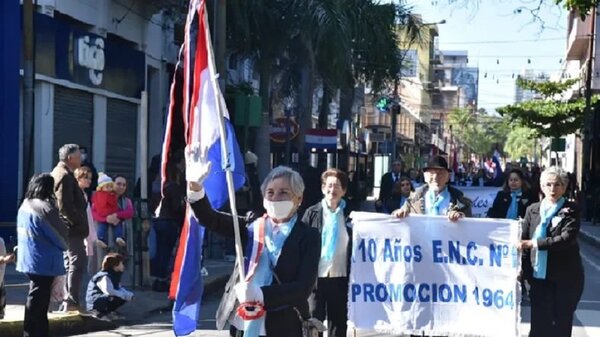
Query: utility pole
x: 395, y: 110
x: 288, y: 141
x: 221, y: 40
x: 28, y: 89
x: 588, y: 158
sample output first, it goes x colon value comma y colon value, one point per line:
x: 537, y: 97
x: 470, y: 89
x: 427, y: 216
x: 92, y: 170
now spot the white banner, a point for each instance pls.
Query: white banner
x: 482, y: 197
x: 425, y: 274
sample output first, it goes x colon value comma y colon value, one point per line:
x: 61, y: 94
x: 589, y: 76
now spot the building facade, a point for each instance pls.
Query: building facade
x: 458, y: 88
x: 93, y: 60
x: 579, y: 33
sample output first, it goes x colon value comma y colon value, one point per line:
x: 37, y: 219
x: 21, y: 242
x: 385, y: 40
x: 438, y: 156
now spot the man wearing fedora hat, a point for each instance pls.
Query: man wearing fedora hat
x: 436, y: 197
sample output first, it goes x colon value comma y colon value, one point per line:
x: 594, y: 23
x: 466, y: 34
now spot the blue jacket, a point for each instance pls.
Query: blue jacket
x: 41, y: 239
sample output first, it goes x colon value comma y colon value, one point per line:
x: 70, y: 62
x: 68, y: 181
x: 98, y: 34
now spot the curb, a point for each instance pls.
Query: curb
x: 60, y: 326
x: 209, y: 288
x: 69, y: 325
x: 589, y: 238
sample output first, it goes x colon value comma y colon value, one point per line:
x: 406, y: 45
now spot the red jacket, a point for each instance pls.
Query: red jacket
x: 105, y: 203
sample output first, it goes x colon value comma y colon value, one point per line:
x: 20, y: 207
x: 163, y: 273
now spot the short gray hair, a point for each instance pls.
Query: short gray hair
x: 296, y: 181
x: 557, y: 172
x: 66, y: 150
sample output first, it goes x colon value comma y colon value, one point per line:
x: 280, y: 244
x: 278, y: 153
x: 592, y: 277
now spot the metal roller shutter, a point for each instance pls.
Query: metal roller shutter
x: 121, y: 139
x: 73, y: 118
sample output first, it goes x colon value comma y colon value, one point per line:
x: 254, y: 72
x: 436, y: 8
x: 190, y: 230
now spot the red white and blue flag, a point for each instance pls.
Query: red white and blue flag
x: 193, y: 119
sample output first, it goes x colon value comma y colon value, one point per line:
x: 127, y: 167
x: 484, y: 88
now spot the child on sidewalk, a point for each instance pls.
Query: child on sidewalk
x: 4, y: 259
x: 105, y: 293
x: 105, y: 203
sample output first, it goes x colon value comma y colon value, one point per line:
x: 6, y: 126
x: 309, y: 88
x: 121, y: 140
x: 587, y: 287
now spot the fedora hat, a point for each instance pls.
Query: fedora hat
x: 437, y: 162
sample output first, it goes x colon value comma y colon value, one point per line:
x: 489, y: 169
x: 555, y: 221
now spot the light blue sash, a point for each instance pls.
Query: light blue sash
x: 264, y: 274
x: 547, y: 212
x: 434, y: 205
x: 513, y: 210
x: 329, y: 232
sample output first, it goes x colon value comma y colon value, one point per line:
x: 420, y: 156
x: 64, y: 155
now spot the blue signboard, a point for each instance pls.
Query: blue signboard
x: 10, y: 42
x: 64, y: 51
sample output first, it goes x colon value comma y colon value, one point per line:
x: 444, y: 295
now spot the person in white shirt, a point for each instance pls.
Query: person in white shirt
x: 330, y: 297
x: 105, y: 293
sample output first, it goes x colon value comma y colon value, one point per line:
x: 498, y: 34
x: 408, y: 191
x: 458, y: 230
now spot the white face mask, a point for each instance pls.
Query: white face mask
x: 278, y: 209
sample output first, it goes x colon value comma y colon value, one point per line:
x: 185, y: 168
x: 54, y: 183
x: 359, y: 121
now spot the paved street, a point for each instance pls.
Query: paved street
x: 587, y: 322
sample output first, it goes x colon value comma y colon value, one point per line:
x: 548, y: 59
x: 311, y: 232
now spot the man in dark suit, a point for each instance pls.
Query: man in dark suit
x: 387, y: 183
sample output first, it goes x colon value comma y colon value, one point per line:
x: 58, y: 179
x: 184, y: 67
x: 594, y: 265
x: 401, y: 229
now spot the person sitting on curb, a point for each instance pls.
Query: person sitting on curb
x: 105, y: 293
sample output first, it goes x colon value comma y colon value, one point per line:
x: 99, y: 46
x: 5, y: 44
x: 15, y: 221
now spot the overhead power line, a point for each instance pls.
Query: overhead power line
x: 503, y: 41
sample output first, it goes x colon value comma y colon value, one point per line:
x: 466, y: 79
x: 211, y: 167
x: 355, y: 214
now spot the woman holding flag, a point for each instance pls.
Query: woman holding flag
x: 551, y: 261
x: 281, y: 256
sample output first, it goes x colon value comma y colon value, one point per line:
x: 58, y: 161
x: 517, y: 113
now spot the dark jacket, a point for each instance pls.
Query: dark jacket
x: 503, y: 200
x: 172, y: 205
x: 314, y: 218
x: 94, y: 292
x: 386, y: 185
x: 564, y: 261
x: 392, y: 203
x: 70, y: 201
x: 458, y: 202
x: 297, y: 268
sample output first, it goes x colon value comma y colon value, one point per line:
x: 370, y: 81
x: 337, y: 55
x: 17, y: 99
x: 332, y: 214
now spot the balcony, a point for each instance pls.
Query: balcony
x: 579, y: 37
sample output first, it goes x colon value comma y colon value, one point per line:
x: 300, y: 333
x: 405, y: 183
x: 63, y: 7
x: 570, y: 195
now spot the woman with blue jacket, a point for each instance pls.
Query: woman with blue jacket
x: 41, y: 241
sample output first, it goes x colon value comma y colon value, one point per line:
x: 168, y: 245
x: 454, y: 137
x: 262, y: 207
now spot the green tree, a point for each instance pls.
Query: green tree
x: 552, y: 115
x: 479, y: 132
x: 583, y: 7
x: 261, y: 29
x: 520, y: 143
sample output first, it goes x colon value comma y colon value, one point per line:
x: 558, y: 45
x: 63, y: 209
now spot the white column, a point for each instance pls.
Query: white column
x: 99, y: 137
x: 43, y: 141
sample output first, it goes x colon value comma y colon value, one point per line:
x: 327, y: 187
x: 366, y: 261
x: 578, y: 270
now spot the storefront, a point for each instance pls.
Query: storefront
x: 93, y: 86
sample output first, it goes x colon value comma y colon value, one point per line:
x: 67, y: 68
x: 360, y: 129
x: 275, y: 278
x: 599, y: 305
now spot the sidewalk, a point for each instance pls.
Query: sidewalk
x: 590, y: 233
x: 145, y: 303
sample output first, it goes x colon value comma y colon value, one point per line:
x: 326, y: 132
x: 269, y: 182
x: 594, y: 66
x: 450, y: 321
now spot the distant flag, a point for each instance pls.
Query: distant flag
x: 193, y: 119
x: 498, y: 177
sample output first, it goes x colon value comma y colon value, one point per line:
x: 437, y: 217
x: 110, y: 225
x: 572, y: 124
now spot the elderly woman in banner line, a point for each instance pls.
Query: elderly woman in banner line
x: 550, y: 261
x: 436, y: 197
x: 282, y: 256
x: 329, y: 216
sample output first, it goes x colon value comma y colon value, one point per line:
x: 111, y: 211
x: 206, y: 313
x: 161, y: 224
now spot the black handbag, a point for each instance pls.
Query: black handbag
x: 311, y: 327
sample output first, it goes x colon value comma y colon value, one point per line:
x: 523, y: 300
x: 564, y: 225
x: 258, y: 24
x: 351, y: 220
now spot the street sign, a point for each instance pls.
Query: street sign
x: 279, y: 127
x: 558, y: 144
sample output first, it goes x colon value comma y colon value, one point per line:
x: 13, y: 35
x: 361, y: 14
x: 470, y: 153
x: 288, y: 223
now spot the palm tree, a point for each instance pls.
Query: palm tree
x: 260, y: 29
x: 336, y: 42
